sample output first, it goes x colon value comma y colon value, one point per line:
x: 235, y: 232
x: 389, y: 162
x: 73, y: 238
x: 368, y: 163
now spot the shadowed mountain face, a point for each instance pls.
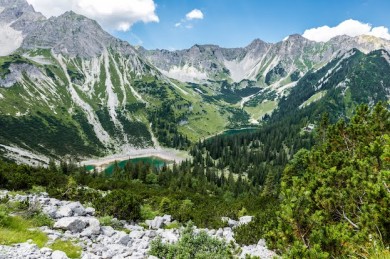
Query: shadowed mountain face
x: 67, y: 87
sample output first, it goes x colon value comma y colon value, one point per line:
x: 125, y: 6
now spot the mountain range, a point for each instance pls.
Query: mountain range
x: 70, y: 89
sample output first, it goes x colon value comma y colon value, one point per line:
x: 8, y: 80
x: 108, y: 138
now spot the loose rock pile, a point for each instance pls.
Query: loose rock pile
x: 76, y: 223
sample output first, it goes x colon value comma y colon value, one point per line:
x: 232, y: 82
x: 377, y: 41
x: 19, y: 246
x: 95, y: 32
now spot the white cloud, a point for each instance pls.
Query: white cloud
x: 186, y: 22
x: 195, y: 14
x: 349, y: 27
x: 111, y: 14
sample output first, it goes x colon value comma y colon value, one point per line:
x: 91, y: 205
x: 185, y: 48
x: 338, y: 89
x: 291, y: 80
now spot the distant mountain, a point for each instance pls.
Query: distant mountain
x: 269, y: 64
x: 68, y: 88
x: 339, y: 87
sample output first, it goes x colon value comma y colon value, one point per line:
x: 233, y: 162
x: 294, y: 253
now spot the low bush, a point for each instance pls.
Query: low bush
x: 120, y: 204
x: 192, y: 245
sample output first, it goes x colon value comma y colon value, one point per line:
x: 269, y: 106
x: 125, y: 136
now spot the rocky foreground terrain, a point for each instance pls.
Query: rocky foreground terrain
x: 78, y: 224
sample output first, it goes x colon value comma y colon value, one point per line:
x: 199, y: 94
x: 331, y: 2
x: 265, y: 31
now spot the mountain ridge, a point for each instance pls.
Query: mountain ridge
x: 255, y: 56
x: 69, y: 81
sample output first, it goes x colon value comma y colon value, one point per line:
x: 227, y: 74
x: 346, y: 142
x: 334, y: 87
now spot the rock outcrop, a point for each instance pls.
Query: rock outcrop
x: 76, y: 223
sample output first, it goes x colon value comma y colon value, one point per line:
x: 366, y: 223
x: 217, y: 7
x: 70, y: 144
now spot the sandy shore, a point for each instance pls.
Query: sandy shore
x: 163, y: 153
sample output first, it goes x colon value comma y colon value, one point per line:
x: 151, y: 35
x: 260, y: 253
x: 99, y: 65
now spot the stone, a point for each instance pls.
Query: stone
x: 143, y: 244
x: 50, y: 210
x: 44, y: 194
x: 77, y: 208
x: 93, y: 227
x: 232, y: 223
x: 136, y: 234
x: 245, y: 220
x: 158, y: 222
x: 225, y: 219
x: 169, y: 236
x: 46, y: 251
x: 89, y: 256
x: 64, y: 211
x: 59, y: 255
x: 71, y: 209
x: 167, y: 219
x: 133, y: 227
x: 73, y: 224
x: 108, y: 231
x: 261, y: 243
x: 150, y: 233
x: 219, y: 233
x: 90, y: 211
x: 124, y: 240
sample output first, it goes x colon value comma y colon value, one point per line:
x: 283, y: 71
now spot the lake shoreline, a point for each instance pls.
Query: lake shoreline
x: 167, y: 154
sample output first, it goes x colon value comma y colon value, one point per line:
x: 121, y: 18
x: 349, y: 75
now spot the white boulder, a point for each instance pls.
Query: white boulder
x: 71, y: 209
x: 245, y: 220
x: 93, y: 227
x: 159, y: 222
x: 59, y: 255
x: 73, y: 224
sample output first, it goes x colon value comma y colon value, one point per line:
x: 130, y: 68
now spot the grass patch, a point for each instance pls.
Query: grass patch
x: 173, y: 225
x: 14, y: 230
x: 314, y: 98
x: 114, y: 223
x: 261, y: 109
x: 70, y: 249
x: 110, y: 221
x: 11, y: 236
x: 40, y: 220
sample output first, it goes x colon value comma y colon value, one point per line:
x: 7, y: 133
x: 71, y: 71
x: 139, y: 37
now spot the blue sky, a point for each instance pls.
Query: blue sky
x: 228, y: 23
x: 235, y: 23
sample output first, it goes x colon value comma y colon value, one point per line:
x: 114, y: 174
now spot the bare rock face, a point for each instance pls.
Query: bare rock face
x: 70, y: 34
x: 20, y: 14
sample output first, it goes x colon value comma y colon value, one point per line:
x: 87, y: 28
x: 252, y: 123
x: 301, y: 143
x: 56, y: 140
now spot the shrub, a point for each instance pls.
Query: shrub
x: 40, y: 220
x: 147, y: 212
x: 37, y: 189
x: 192, y: 245
x: 242, y: 212
x: 173, y: 225
x: 119, y: 204
x: 110, y: 221
x: 335, y: 198
x: 165, y: 205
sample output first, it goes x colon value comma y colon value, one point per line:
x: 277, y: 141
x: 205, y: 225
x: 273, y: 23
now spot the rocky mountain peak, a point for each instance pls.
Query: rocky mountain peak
x: 19, y: 13
x: 19, y: 4
x: 70, y: 34
x: 256, y: 44
x: 296, y: 37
